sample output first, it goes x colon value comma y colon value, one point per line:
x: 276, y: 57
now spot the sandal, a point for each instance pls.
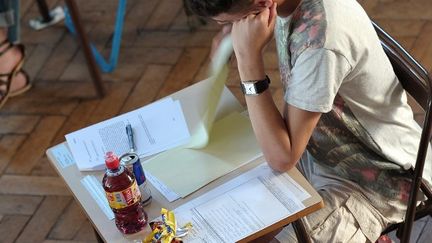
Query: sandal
x: 25, y: 88
x: 7, y: 78
x: 4, y: 94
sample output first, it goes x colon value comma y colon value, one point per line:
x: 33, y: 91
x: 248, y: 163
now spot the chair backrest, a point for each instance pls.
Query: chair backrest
x: 418, y: 83
x: 413, y: 77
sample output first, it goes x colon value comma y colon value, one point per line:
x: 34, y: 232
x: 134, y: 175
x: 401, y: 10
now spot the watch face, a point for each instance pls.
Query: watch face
x: 249, y: 88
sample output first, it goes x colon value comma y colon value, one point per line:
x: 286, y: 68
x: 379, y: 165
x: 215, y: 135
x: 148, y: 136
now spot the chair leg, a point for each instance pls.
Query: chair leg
x: 426, y: 190
x: 91, y: 64
x: 300, y: 231
x: 44, y: 11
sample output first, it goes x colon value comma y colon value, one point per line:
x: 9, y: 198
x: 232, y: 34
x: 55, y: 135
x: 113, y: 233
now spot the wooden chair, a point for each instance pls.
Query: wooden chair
x: 193, y: 22
x: 418, y: 83
x: 83, y: 39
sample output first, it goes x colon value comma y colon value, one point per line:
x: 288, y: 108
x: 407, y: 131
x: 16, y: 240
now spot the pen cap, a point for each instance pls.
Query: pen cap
x: 111, y: 161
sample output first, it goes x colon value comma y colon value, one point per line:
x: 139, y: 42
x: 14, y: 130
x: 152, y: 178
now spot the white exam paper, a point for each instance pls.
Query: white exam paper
x: 157, y: 127
x: 94, y: 187
x: 242, y: 206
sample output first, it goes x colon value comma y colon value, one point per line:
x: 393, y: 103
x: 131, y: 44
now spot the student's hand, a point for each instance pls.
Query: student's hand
x: 251, y: 34
x: 226, y: 30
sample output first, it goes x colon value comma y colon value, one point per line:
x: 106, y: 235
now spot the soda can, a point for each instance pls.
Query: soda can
x: 132, y: 162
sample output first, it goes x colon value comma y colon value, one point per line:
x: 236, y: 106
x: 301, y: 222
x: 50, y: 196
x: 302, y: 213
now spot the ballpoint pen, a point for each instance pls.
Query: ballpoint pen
x: 131, y: 161
x: 130, y: 135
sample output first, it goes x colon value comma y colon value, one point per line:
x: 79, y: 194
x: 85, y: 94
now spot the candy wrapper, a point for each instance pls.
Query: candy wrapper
x: 166, y: 231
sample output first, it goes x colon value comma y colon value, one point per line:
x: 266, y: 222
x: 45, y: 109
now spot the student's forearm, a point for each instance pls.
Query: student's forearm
x: 283, y: 140
x: 270, y: 131
x: 267, y: 122
x: 251, y: 67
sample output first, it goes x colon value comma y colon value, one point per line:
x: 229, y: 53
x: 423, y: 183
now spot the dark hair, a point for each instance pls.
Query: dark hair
x: 210, y: 8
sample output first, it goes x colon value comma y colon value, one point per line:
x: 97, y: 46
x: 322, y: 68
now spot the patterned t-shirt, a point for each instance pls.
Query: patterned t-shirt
x: 331, y: 61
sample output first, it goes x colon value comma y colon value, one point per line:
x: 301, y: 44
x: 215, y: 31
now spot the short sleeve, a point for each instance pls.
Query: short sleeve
x: 315, y: 80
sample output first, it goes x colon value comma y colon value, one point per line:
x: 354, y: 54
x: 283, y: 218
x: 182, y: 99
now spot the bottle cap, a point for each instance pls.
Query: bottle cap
x: 111, y: 161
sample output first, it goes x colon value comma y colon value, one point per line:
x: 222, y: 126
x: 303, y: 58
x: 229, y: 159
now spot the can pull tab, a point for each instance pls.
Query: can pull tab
x: 130, y: 136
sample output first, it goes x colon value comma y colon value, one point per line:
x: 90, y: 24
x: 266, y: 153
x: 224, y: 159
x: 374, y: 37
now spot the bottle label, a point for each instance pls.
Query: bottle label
x: 125, y: 198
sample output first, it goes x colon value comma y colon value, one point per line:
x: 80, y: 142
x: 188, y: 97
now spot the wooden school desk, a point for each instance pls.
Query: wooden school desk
x: 109, y: 233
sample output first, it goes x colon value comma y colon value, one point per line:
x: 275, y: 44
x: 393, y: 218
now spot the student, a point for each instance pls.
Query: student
x: 346, y: 122
x: 13, y: 80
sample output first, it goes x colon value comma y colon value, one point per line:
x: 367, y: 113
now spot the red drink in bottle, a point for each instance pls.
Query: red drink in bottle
x: 123, y: 196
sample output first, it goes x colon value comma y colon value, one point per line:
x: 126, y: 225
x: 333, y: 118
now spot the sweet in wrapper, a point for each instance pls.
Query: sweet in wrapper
x: 165, y: 230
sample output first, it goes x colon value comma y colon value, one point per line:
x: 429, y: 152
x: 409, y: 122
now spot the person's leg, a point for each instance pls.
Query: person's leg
x: 8, y: 61
x: 346, y: 217
x: 330, y: 224
x: 14, y: 30
x: 10, y: 55
x: 6, y: 14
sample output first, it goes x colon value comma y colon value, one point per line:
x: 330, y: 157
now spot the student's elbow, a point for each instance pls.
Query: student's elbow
x: 281, y: 163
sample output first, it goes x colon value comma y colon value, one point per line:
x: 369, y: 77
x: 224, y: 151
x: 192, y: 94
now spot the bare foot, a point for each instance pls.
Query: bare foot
x: 8, y: 61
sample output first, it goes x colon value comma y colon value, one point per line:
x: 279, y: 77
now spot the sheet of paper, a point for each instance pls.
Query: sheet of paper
x: 94, y: 187
x: 240, y: 207
x: 157, y: 127
x: 211, y: 95
x: 170, y: 195
x: 194, y: 108
x: 185, y: 170
x: 63, y: 156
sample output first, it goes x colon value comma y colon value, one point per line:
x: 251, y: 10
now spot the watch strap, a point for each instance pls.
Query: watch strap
x: 255, y: 87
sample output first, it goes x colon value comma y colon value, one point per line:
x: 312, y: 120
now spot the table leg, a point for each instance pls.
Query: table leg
x: 300, y: 231
x: 91, y: 64
x: 98, y: 237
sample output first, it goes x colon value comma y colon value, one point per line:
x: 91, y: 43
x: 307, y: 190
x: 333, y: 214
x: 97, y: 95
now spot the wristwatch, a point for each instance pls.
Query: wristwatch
x: 255, y: 87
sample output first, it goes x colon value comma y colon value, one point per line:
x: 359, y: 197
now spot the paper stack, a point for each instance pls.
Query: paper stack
x: 157, y: 127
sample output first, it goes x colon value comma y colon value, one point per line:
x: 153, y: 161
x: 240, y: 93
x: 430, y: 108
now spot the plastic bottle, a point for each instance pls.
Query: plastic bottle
x: 123, y: 196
